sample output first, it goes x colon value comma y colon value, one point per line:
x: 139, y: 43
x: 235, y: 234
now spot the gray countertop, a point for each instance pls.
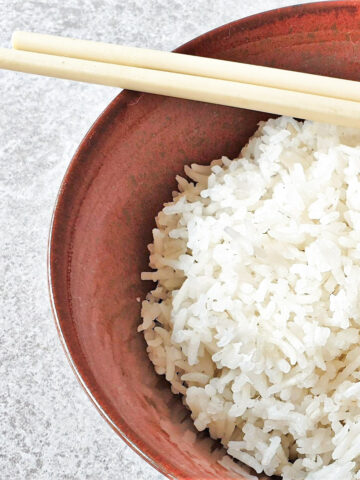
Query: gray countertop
x: 48, y: 427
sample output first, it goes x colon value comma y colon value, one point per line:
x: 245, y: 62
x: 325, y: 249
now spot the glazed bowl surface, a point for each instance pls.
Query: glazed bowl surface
x: 122, y: 173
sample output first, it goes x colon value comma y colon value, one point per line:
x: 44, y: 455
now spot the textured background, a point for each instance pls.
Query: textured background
x: 48, y: 428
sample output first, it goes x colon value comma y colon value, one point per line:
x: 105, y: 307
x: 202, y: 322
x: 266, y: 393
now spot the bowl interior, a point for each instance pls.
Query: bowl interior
x: 118, y: 180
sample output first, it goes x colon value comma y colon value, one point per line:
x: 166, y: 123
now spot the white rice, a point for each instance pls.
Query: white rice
x: 256, y: 315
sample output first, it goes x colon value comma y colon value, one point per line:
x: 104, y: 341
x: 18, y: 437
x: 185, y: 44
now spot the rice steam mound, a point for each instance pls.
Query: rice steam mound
x: 256, y: 315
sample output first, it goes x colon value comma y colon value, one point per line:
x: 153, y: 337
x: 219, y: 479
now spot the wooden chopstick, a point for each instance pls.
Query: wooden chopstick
x: 187, y: 64
x: 223, y: 92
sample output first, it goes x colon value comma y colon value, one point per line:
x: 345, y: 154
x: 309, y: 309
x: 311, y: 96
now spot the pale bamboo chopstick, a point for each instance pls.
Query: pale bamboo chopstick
x: 187, y: 64
x: 223, y: 92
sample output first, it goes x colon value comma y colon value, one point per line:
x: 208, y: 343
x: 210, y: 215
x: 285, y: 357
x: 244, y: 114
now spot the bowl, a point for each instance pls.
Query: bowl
x: 118, y: 180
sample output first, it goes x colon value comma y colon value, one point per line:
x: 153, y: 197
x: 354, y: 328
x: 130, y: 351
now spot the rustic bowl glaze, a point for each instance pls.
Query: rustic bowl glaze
x: 117, y: 181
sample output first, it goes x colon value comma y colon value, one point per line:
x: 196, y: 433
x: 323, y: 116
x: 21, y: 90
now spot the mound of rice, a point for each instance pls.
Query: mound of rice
x: 255, y: 318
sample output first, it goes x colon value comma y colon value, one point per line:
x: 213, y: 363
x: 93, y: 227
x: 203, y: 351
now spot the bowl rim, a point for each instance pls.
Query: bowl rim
x: 122, y: 99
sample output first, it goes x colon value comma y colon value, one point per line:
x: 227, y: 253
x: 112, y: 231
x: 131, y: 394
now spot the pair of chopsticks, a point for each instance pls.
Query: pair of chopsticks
x: 270, y: 90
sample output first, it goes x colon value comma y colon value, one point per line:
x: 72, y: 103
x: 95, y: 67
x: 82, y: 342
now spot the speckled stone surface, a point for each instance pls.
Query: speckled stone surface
x: 49, y: 429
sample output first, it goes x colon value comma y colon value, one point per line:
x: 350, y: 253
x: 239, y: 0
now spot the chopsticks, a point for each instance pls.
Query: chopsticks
x: 187, y: 64
x: 209, y: 80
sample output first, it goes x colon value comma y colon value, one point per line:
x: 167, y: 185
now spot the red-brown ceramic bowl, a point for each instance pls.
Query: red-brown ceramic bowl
x: 117, y: 181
